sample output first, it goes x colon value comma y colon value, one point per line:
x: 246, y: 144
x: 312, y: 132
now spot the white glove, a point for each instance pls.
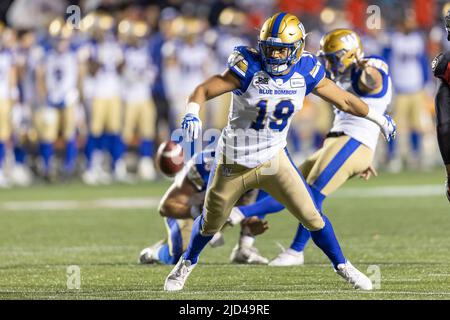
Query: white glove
x: 191, y: 124
x: 387, y: 125
x: 389, y: 128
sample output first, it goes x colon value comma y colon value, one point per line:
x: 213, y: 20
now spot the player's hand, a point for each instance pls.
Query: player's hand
x: 366, y: 174
x: 389, y: 128
x: 191, y: 126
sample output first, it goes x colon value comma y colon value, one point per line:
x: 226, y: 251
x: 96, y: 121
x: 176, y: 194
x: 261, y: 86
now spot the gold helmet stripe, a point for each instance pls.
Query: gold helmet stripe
x: 277, y: 24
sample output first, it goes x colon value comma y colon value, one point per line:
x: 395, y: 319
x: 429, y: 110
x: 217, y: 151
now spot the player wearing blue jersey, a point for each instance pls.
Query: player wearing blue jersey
x: 269, y: 86
x: 183, y: 202
x: 351, y: 143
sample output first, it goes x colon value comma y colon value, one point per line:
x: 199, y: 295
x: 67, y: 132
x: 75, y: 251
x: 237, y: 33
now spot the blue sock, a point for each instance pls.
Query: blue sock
x: 261, y: 195
x: 71, y: 156
x: 197, y: 242
x: 19, y: 154
x: 46, y: 152
x: 264, y: 206
x: 392, y: 148
x: 94, y: 143
x: 165, y: 257
x: 105, y: 142
x: 318, y: 140
x: 416, y: 139
x: 326, y: 240
x: 146, y: 148
x: 116, y: 148
x: 301, y: 238
x: 295, y: 140
x: 318, y: 197
x: 303, y: 235
x: 2, y: 153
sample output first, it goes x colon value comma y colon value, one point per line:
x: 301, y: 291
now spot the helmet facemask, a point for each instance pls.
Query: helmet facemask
x: 339, y: 62
x: 278, y: 66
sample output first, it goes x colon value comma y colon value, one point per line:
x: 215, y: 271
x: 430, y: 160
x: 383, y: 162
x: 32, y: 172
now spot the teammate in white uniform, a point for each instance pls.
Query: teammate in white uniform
x: 187, y: 61
x: 351, y: 143
x: 57, y: 80
x: 105, y: 64
x: 140, y: 111
x: 269, y: 85
x: 8, y: 96
x: 407, y: 57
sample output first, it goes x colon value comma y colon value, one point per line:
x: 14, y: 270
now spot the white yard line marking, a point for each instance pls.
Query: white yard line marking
x: 392, y: 192
x: 152, y: 202
x: 126, y: 203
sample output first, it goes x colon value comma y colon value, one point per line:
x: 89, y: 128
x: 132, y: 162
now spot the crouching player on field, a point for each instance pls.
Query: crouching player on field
x: 183, y: 202
x: 349, y: 147
x: 441, y: 70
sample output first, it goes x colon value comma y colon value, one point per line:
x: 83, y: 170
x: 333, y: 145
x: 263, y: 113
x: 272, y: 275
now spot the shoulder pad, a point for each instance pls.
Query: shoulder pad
x: 439, y: 64
x: 244, y: 62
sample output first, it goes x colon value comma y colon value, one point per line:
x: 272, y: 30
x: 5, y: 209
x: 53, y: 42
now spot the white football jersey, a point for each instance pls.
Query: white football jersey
x: 192, y: 59
x: 363, y: 130
x: 138, y: 74
x: 6, y: 64
x: 408, y: 61
x: 107, y: 80
x: 263, y: 107
x: 61, y: 76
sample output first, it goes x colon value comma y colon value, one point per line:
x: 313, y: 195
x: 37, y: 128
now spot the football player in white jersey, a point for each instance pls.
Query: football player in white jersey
x: 8, y: 96
x: 408, y: 59
x: 187, y: 60
x: 140, y: 111
x: 349, y: 147
x: 268, y: 86
x: 105, y: 63
x: 57, y: 81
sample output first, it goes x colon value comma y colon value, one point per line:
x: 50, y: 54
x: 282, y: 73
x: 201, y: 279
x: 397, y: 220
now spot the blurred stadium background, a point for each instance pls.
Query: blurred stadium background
x: 44, y: 174
x: 185, y: 42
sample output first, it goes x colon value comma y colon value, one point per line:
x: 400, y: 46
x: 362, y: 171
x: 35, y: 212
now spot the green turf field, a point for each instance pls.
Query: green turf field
x: 398, y: 223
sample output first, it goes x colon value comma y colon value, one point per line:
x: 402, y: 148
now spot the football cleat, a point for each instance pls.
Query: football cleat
x: 247, y: 255
x: 179, y: 274
x: 150, y: 255
x: 4, y: 183
x: 21, y: 175
x: 355, y: 277
x: 121, y: 173
x: 146, y: 169
x: 288, y: 257
x: 90, y: 177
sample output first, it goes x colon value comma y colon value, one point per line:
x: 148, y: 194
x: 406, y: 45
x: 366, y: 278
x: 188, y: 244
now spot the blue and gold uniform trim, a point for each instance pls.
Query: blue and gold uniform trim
x: 277, y: 24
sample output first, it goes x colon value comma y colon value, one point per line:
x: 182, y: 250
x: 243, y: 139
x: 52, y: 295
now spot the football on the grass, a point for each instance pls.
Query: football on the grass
x: 169, y: 158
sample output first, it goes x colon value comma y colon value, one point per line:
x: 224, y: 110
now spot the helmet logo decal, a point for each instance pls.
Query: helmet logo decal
x: 350, y: 41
